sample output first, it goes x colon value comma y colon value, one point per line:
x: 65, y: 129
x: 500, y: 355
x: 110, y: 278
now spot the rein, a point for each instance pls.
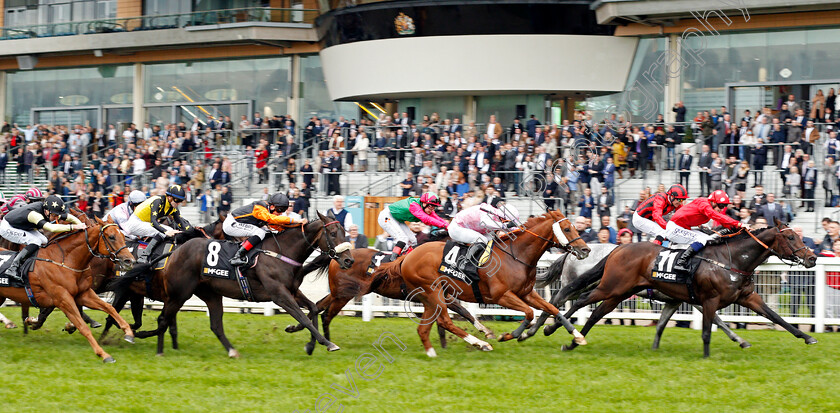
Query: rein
x: 551, y: 243
x: 795, y: 261
x: 112, y: 255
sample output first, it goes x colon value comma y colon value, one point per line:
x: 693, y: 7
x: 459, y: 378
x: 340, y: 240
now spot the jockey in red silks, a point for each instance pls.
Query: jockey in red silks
x: 696, y: 213
x: 648, y: 216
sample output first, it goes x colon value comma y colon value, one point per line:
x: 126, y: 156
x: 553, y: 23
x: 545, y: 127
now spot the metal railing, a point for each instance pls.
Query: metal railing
x: 164, y: 21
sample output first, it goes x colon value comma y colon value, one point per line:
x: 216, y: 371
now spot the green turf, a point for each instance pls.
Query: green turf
x: 51, y: 371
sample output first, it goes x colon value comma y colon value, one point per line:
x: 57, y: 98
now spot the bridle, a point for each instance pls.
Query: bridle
x: 334, y: 250
x: 551, y: 242
x: 796, y: 260
x: 112, y: 252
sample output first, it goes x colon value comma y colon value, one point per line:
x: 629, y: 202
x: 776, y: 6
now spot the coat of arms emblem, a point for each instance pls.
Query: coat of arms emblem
x: 404, y: 24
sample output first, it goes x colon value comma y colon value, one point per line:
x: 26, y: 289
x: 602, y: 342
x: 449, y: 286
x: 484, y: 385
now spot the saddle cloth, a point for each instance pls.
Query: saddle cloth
x: 664, y: 270
x: 134, y: 248
x: 217, y: 264
x: 6, y: 259
x: 454, y: 253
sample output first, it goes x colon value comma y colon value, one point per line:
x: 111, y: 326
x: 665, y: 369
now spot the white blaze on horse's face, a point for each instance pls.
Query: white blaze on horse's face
x: 558, y: 233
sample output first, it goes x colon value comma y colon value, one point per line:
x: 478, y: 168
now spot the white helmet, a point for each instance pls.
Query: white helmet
x: 136, y: 197
x: 511, y: 212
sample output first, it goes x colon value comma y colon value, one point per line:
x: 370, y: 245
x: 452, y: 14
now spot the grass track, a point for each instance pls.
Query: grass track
x: 48, y: 370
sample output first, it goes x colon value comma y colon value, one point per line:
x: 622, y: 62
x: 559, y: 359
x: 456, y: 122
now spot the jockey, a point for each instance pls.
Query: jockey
x: 249, y: 220
x: 697, y: 213
x: 471, y: 225
x: 144, y: 221
x: 648, y: 216
x: 393, y: 218
x: 21, y: 227
x: 122, y: 212
x: 31, y: 195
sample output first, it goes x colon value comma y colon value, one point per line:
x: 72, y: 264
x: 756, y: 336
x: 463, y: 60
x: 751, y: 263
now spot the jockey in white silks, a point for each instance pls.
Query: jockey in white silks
x: 471, y: 225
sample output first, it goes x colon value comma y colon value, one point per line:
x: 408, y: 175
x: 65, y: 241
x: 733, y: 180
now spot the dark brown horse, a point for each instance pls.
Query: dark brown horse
x: 506, y: 279
x: 276, y: 277
x: 724, y: 277
x: 61, y: 277
x: 353, y: 282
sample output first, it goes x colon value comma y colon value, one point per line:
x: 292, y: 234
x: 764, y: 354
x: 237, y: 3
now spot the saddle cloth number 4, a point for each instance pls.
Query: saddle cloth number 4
x: 452, y: 256
x: 666, y: 260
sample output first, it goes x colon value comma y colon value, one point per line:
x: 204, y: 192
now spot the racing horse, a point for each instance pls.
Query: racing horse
x: 61, y: 278
x: 568, y: 271
x: 722, y: 278
x: 347, y: 284
x: 506, y: 279
x: 275, y: 277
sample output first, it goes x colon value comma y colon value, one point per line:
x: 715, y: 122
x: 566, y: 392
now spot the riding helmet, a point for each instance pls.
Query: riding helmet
x: 719, y: 197
x: 678, y: 191
x: 136, y: 197
x: 176, y: 192
x: 280, y: 201
x: 429, y: 198
x: 33, y: 194
x: 54, y: 205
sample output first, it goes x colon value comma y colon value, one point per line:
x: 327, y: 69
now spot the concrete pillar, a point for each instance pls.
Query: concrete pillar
x: 294, y: 106
x: 469, y: 110
x: 673, y: 81
x: 3, y: 95
x: 137, y: 115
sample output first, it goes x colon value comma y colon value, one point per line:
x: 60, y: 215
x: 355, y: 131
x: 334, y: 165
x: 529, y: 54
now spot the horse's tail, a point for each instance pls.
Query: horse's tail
x: 320, y: 264
x: 554, y: 271
x: 588, y: 278
x: 123, y: 283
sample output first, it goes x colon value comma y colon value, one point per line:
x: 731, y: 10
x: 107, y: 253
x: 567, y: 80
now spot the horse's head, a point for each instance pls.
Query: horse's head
x: 787, y: 245
x: 112, y: 243
x: 567, y: 236
x: 333, y: 241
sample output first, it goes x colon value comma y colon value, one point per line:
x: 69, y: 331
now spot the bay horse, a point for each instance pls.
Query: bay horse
x: 721, y: 279
x: 347, y: 284
x: 568, y: 271
x: 275, y: 278
x: 507, y: 279
x: 61, y: 275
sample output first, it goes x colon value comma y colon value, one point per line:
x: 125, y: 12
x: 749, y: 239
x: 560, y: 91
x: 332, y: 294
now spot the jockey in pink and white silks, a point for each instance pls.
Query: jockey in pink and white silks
x: 471, y: 226
x: 19, y: 200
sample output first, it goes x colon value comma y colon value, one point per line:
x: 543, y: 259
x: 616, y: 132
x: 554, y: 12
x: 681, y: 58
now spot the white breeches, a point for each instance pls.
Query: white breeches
x: 647, y: 226
x: 397, y: 229
x: 19, y: 236
x: 238, y: 229
x: 141, y: 229
x: 465, y: 235
x: 680, y: 235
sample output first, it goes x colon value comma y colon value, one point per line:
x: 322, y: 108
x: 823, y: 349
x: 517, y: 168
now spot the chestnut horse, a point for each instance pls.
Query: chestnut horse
x: 506, y: 279
x: 274, y: 278
x: 61, y: 275
x: 347, y: 284
x: 722, y: 278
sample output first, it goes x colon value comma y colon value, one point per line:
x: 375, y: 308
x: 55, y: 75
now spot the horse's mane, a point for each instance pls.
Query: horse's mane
x: 737, y: 237
x: 531, y: 221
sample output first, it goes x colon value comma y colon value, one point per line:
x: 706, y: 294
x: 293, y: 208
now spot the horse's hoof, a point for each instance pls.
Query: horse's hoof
x: 30, y: 321
x: 333, y: 347
x: 431, y: 352
x: 443, y: 345
x: 506, y: 337
x: 291, y: 328
x: 566, y: 348
x: 486, y: 347
x: 810, y: 340
x: 745, y: 344
x: 309, y: 347
x: 69, y: 328
x: 11, y: 325
x: 108, y: 360
x: 159, y: 355
x: 95, y: 324
x: 523, y: 337
x: 490, y: 336
x: 232, y: 353
x: 129, y: 338
x: 581, y: 341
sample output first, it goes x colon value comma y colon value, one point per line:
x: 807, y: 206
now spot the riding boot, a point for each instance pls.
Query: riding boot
x: 684, y: 259
x: 143, y: 256
x: 240, y: 257
x: 21, y: 256
x: 473, y: 256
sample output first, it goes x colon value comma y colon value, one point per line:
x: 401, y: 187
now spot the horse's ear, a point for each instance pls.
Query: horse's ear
x: 320, y: 215
x: 778, y: 223
x: 99, y: 220
x: 330, y: 214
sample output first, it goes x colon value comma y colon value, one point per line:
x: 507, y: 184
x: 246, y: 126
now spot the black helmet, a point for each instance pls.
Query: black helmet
x: 54, y: 205
x: 176, y: 192
x: 279, y: 200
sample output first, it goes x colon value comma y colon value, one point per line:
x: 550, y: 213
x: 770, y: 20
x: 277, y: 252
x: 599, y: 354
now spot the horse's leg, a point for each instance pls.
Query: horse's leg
x: 441, y: 335
x: 536, y: 301
x: 321, y: 305
x: 5, y: 321
x: 284, y: 298
x: 755, y: 303
x: 585, y: 299
x: 709, y: 308
x: 728, y: 331
x: 333, y: 307
x: 303, y: 301
x: 667, y: 313
x: 173, y: 332
x: 463, y: 312
x: 510, y: 300
x: 216, y: 310
x: 93, y: 323
x: 119, y: 304
x: 606, y: 306
x: 136, y: 310
x: 425, y: 327
x: 90, y: 299
x: 68, y: 305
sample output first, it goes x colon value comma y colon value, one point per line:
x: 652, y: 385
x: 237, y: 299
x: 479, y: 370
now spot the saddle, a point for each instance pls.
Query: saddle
x: 459, y: 263
x: 135, y: 246
x: 6, y: 259
x: 217, y: 264
x: 665, y: 270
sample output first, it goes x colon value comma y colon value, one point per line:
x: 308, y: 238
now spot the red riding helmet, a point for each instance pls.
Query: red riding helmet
x: 429, y: 198
x: 34, y: 194
x: 677, y: 191
x: 719, y: 197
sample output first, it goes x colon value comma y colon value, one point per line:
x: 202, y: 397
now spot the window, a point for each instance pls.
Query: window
x: 33, y: 12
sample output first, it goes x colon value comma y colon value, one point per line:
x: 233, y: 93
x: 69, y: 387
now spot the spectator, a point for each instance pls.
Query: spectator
x: 586, y: 203
x: 356, y: 239
x: 771, y: 211
x: 342, y: 215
